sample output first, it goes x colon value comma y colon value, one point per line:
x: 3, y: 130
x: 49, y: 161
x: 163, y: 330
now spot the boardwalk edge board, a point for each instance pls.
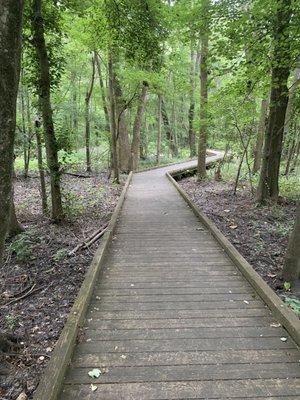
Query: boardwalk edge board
x: 280, y: 310
x: 53, y: 376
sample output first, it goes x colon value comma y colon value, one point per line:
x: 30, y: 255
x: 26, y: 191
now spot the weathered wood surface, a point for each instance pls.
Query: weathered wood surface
x: 172, y: 318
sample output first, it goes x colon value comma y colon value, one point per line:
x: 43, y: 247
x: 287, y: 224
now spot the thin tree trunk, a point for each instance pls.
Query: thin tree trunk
x: 10, y: 56
x: 268, y: 188
x: 46, y: 110
x: 113, y: 116
x: 159, y: 116
x: 201, y: 170
x: 191, y: 112
x: 25, y: 134
x: 168, y: 129
x: 260, y: 136
x: 136, y: 133
x: 291, y: 268
x: 41, y: 166
x: 102, y: 88
x: 87, y: 119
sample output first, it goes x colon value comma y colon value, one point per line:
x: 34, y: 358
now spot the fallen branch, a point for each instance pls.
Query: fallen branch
x: 77, y: 175
x: 30, y: 291
x: 87, y: 243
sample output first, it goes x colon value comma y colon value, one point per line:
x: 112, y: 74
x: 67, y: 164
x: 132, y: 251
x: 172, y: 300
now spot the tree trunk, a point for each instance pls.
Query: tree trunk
x: 201, y: 170
x: 113, y: 116
x: 168, y: 129
x: 260, y: 136
x: 14, y: 226
x: 268, y: 188
x: 158, y: 145
x: 41, y: 166
x: 87, y: 119
x: 46, y: 110
x: 136, y: 134
x: 102, y: 88
x: 291, y: 268
x: 191, y: 112
x: 292, y: 94
x: 11, y: 12
x: 121, y: 124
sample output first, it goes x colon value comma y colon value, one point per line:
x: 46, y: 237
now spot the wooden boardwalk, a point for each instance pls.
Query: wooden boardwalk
x: 172, y: 318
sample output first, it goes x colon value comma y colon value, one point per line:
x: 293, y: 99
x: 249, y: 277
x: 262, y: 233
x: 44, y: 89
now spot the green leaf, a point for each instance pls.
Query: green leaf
x: 287, y: 286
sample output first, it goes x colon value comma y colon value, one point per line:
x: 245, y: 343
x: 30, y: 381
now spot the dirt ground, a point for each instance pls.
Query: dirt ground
x: 37, y: 266
x: 260, y: 234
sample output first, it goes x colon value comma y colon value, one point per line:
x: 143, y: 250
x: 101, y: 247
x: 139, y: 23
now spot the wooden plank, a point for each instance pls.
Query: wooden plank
x: 223, y: 357
x: 212, y: 389
x: 138, y: 346
x: 92, y: 335
x: 186, y: 373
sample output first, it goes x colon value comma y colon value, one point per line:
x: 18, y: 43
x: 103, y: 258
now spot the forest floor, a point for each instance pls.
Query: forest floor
x: 260, y: 234
x: 37, y: 263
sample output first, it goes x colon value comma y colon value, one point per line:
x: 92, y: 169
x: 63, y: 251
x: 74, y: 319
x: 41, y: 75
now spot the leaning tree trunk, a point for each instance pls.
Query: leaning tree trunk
x: 136, y: 136
x: 201, y: 169
x: 260, y: 136
x: 10, y: 56
x: 291, y: 269
x: 169, y: 132
x: 113, y: 116
x: 268, y: 188
x: 46, y: 109
x: 87, y: 119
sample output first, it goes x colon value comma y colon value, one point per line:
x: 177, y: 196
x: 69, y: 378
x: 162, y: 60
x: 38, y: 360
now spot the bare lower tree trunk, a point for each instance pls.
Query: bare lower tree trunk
x: 291, y: 268
x: 260, y: 136
x: 191, y: 112
x: 11, y: 12
x: 268, y: 188
x: 136, y: 134
x: 168, y: 129
x: 158, y: 144
x: 41, y: 166
x: 102, y: 88
x: 87, y: 119
x: 113, y: 116
x: 14, y: 226
x: 46, y: 109
x: 201, y: 170
x: 292, y: 94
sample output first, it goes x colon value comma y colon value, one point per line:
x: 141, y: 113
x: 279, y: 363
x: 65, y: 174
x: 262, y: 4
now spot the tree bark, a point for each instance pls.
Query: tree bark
x: 87, y: 119
x: 41, y: 166
x: 260, y: 136
x: 103, y: 95
x: 46, y: 110
x: 168, y: 129
x: 201, y: 169
x: 14, y: 226
x: 11, y: 12
x: 113, y: 116
x: 291, y: 268
x: 158, y: 145
x: 136, y: 134
x: 268, y: 188
x: 292, y: 94
x: 191, y: 112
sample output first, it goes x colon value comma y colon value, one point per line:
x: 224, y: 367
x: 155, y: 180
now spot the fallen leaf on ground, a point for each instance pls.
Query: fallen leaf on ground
x: 94, y: 387
x: 283, y: 339
x: 275, y: 325
x: 95, y: 373
x: 22, y: 396
x: 233, y: 226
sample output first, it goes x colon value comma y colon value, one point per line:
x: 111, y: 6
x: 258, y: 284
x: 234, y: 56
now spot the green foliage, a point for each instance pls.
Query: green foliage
x: 22, y: 245
x: 293, y: 303
x: 60, y: 255
x: 73, y: 203
x: 11, y: 321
